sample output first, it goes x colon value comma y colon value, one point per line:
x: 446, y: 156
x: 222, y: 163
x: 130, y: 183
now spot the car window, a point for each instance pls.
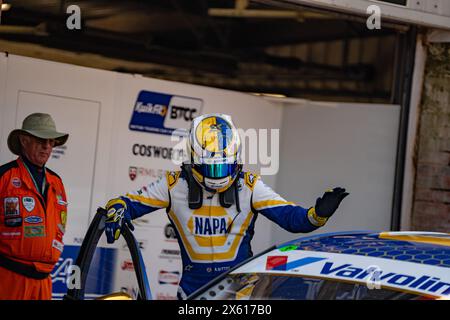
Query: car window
x: 284, y: 287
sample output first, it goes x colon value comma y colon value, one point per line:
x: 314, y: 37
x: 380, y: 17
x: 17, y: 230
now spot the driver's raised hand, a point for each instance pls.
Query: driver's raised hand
x: 326, y: 206
x: 117, y: 214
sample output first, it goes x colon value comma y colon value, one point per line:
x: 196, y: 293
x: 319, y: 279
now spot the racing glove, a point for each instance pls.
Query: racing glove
x: 326, y: 206
x: 117, y: 215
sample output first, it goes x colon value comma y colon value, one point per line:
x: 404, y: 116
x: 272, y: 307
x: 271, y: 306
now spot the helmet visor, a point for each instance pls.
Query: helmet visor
x: 217, y: 170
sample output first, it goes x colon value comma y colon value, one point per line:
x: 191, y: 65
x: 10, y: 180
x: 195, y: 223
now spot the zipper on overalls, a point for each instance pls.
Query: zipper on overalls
x: 41, y: 196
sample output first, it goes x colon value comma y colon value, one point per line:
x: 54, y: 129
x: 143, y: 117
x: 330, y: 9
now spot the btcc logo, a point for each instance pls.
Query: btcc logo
x: 177, y: 112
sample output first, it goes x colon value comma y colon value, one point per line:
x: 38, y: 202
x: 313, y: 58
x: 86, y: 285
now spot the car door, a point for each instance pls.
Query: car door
x: 87, y: 255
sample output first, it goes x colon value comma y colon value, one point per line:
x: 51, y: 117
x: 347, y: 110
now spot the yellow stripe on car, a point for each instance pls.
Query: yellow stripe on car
x: 416, y: 238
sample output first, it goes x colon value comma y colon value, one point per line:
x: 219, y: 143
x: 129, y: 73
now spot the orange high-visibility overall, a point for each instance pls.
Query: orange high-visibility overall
x: 31, y: 232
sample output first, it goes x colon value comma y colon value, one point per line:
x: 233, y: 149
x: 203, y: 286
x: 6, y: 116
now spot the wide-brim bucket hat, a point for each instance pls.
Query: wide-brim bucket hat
x: 40, y: 125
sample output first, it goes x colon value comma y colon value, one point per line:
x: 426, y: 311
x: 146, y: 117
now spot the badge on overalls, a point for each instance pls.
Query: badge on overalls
x: 28, y: 203
x: 64, y: 218
x: 60, y: 200
x: 16, y: 182
x: 11, y: 206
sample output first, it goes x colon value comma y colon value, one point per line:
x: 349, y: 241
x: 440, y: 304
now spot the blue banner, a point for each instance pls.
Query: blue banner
x: 163, y: 113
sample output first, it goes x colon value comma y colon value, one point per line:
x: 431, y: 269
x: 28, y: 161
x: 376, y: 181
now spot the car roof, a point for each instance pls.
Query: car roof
x: 431, y: 248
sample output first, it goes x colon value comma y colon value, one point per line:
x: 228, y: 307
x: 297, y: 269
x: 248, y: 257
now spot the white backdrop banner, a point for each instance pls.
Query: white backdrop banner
x: 120, y: 139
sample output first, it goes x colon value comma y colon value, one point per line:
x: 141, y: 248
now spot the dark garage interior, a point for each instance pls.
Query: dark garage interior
x: 254, y: 46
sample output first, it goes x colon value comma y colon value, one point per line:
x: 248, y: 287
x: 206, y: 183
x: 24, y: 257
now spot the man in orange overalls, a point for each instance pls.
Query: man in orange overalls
x: 33, y: 211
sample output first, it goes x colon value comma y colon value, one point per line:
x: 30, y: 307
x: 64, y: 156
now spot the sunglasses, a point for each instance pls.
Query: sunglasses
x: 51, y: 142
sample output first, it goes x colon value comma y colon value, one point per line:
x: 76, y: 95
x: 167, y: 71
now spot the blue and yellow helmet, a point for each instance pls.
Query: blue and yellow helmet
x: 215, y: 151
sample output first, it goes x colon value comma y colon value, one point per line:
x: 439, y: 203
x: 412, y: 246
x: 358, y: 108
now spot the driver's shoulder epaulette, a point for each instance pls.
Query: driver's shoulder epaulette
x: 172, y: 178
x: 250, y: 180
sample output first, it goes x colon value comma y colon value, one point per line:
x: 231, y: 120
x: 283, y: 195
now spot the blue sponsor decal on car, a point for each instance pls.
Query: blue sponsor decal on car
x: 301, y: 262
x: 162, y: 113
x: 280, y: 263
x: 422, y: 282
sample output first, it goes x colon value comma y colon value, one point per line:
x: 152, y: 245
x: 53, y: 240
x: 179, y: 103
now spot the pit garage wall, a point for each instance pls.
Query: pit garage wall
x: 326, y: 145
x: 95, y: 108
x: 431, y: 198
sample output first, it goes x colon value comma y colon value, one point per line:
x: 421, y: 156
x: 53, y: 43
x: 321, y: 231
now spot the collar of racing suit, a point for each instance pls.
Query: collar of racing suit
x: 37, y: 173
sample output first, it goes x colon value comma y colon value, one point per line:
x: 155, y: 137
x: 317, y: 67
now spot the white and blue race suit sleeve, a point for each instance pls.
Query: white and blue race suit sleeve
x: 149, y: 198
x: 288, y: 215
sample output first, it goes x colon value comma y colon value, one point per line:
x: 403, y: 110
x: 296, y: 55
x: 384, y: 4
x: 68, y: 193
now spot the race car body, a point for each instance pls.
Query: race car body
x: 350, y: 265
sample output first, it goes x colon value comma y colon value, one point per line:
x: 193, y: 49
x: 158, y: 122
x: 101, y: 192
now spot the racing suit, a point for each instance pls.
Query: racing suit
x: 32, y: 226
x: 212, y: 238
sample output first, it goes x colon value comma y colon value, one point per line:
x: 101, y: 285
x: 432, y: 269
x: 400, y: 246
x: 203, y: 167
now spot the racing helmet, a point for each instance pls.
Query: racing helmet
x: 215, y: 151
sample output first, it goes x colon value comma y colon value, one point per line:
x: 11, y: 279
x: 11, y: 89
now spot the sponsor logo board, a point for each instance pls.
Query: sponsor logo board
x: 137, y: 172
x: 127, y: 265
x: 162, y: 113
x: 168, y: 277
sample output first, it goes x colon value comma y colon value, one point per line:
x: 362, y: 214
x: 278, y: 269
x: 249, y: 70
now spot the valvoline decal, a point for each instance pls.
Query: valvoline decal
x: 162, y: 113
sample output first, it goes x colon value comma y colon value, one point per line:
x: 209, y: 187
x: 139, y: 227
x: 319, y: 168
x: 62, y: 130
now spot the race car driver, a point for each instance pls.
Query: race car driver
x: 213, y: 204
